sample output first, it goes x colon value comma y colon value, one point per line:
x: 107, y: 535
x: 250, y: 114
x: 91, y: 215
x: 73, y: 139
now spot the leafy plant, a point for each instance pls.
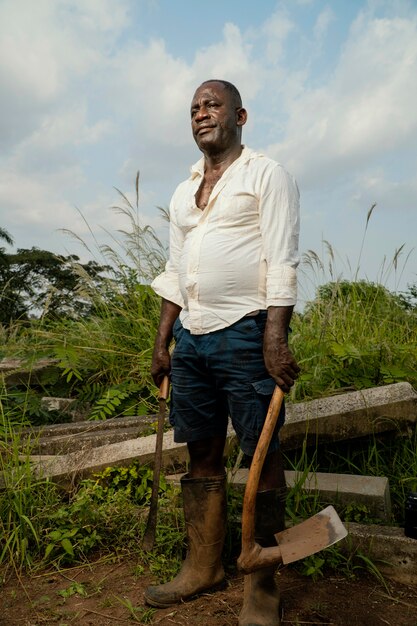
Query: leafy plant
x: 139, y: 614
x: 74, y: 588
x: 313, y: 566
x: 348, y: 562
x: 135, y: 480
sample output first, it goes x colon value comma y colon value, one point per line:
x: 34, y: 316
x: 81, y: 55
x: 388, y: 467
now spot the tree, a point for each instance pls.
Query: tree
x: 36, y: 282
x: 5, y: 235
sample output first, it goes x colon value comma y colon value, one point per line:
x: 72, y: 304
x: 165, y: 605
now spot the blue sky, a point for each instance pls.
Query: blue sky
x: 93, y: 90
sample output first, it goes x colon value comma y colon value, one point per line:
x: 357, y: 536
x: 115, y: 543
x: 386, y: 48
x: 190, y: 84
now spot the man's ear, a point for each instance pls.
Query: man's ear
x: 241, y: 116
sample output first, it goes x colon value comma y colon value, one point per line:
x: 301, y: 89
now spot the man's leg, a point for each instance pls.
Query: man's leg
x: 206, y: 457
x: 261, y: 602
x: 204, y: 501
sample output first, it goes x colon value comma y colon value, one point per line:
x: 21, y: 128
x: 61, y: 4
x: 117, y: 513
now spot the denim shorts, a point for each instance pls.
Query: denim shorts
x: 218, y: 375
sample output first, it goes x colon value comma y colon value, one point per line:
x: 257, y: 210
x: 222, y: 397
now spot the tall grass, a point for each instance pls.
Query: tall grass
x: 24, y: 499
x: 105, y: 358
x: 353, y: 334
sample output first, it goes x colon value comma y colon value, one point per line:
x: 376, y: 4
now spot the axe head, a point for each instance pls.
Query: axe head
x: 314, y: 534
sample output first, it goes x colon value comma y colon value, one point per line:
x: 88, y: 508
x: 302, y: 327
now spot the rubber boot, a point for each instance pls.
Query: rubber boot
x: 261, y: 602
x: 204, y: 501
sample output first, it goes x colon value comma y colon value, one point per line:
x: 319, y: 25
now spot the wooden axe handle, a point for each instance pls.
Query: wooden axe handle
x: 250, y: 550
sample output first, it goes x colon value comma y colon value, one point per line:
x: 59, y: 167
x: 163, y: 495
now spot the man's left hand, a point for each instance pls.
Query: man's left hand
x: 278, y: 358
x: 281, y: 364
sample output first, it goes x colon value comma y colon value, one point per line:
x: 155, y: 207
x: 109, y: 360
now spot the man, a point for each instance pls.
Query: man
x: 228, y: 292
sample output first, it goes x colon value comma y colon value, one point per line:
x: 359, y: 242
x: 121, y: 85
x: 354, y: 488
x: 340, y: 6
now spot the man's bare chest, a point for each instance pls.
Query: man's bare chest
x: 206, y: 187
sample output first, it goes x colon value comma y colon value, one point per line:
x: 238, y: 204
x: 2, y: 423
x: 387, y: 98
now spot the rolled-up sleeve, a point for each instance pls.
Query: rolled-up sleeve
x: 279, y: 209
x: 166, y: 284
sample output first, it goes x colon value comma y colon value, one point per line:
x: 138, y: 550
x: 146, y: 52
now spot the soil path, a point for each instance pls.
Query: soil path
x: 108, y: 594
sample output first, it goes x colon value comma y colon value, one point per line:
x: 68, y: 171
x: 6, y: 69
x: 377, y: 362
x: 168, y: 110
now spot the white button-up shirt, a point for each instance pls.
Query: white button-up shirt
x: 240, y: 253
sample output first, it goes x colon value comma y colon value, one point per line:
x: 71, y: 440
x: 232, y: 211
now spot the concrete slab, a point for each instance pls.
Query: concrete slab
x: 66, y: 407
x: 17, y: 372
x: 339, y: 489
x: 393, y: 553
x: 336, y: 489
x: 72, y: 428
x: 69, y: 467
x: 350, y: 415
x: 65, y: 444
x: 66, y: 438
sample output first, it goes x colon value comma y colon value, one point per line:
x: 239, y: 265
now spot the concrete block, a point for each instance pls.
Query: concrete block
x: 350, y: 415
x: 66, y: 444
x: 354, y: 414
x: 84, y: 462
x: 336, y: 489
x: 66, y: 406
x: 343, y: 489
x: 69, y: 467
x: 17, y: 372
x: 393, y: 553
x: 67, y: 438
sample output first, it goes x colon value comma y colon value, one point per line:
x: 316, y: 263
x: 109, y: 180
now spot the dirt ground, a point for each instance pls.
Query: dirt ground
x: 105, y: 594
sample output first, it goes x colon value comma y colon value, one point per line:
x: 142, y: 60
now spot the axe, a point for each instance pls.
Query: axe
x: 311, y: 536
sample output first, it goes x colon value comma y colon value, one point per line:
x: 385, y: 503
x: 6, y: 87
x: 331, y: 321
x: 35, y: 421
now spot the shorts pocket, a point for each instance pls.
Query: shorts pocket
x: 177, y: 327
x: 264, y: 387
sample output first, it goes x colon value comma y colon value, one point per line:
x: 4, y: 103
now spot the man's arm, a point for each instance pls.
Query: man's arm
x: 279, y: 225
x: 278, y: 358
x: 161, y: 360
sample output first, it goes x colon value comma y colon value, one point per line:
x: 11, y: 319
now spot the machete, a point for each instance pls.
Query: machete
x: 149, y: 535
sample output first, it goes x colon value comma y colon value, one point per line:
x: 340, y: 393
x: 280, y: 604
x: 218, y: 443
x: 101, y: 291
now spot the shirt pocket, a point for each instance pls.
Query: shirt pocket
x: 238, y: 208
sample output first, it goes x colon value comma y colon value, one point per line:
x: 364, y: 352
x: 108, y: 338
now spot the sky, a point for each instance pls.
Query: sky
x: 92, y: 91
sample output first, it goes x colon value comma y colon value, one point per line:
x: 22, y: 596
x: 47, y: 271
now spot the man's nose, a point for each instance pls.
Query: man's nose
x: 201, y: 113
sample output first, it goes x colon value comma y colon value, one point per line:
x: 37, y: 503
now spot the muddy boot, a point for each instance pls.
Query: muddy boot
x: 204, y: 501
x: 261, y: 603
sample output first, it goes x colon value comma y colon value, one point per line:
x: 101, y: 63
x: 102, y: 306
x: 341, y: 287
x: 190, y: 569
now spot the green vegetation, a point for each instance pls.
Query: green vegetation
x: 99, y: 330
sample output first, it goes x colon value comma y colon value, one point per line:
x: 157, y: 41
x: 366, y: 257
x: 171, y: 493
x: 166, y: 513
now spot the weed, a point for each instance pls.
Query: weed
x: 74, y: 589
x: 138, y: 614
x: 138, y: 570
x: 164, y: 568
x: 313, y: 566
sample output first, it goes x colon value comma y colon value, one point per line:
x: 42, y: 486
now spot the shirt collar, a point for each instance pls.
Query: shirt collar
x: 198, y: 168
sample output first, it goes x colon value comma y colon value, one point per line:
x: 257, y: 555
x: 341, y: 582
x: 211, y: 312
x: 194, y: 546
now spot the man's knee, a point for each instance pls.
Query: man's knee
x: 206, y: 457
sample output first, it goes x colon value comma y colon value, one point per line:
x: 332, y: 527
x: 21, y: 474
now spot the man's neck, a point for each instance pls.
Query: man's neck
x: 219, y: 162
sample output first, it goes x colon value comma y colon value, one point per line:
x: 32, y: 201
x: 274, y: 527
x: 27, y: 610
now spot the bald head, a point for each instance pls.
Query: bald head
x: 230, y: 87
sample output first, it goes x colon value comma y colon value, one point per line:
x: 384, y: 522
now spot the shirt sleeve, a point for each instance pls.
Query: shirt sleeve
x: 166, y: 284
x: 279, y: 208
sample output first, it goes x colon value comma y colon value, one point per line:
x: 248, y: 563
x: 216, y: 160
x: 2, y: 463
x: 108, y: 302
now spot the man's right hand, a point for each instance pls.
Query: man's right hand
x: 161, y: 359
x: 161, y: 364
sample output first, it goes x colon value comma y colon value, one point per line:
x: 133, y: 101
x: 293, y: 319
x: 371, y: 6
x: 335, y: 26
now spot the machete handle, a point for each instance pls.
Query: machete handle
x: 164, y: 389
x: 150, y: 530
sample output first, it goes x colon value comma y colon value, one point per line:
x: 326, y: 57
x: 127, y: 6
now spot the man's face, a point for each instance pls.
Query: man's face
x: 215, y: 118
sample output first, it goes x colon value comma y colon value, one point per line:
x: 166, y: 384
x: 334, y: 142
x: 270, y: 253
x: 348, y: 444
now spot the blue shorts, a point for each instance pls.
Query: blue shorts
x: 220, y: 374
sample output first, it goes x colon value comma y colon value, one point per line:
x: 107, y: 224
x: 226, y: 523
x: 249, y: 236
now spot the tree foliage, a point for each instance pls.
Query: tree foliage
x: 38, y: 283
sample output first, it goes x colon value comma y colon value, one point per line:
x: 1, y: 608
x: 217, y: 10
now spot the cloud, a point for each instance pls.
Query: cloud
x: 367, y: 108
x: 47, y: 49
x: 276, y: 31
x: 86, y: 102
x: 394, y: 196
x: 321, y: 27
x: 160, y: 85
